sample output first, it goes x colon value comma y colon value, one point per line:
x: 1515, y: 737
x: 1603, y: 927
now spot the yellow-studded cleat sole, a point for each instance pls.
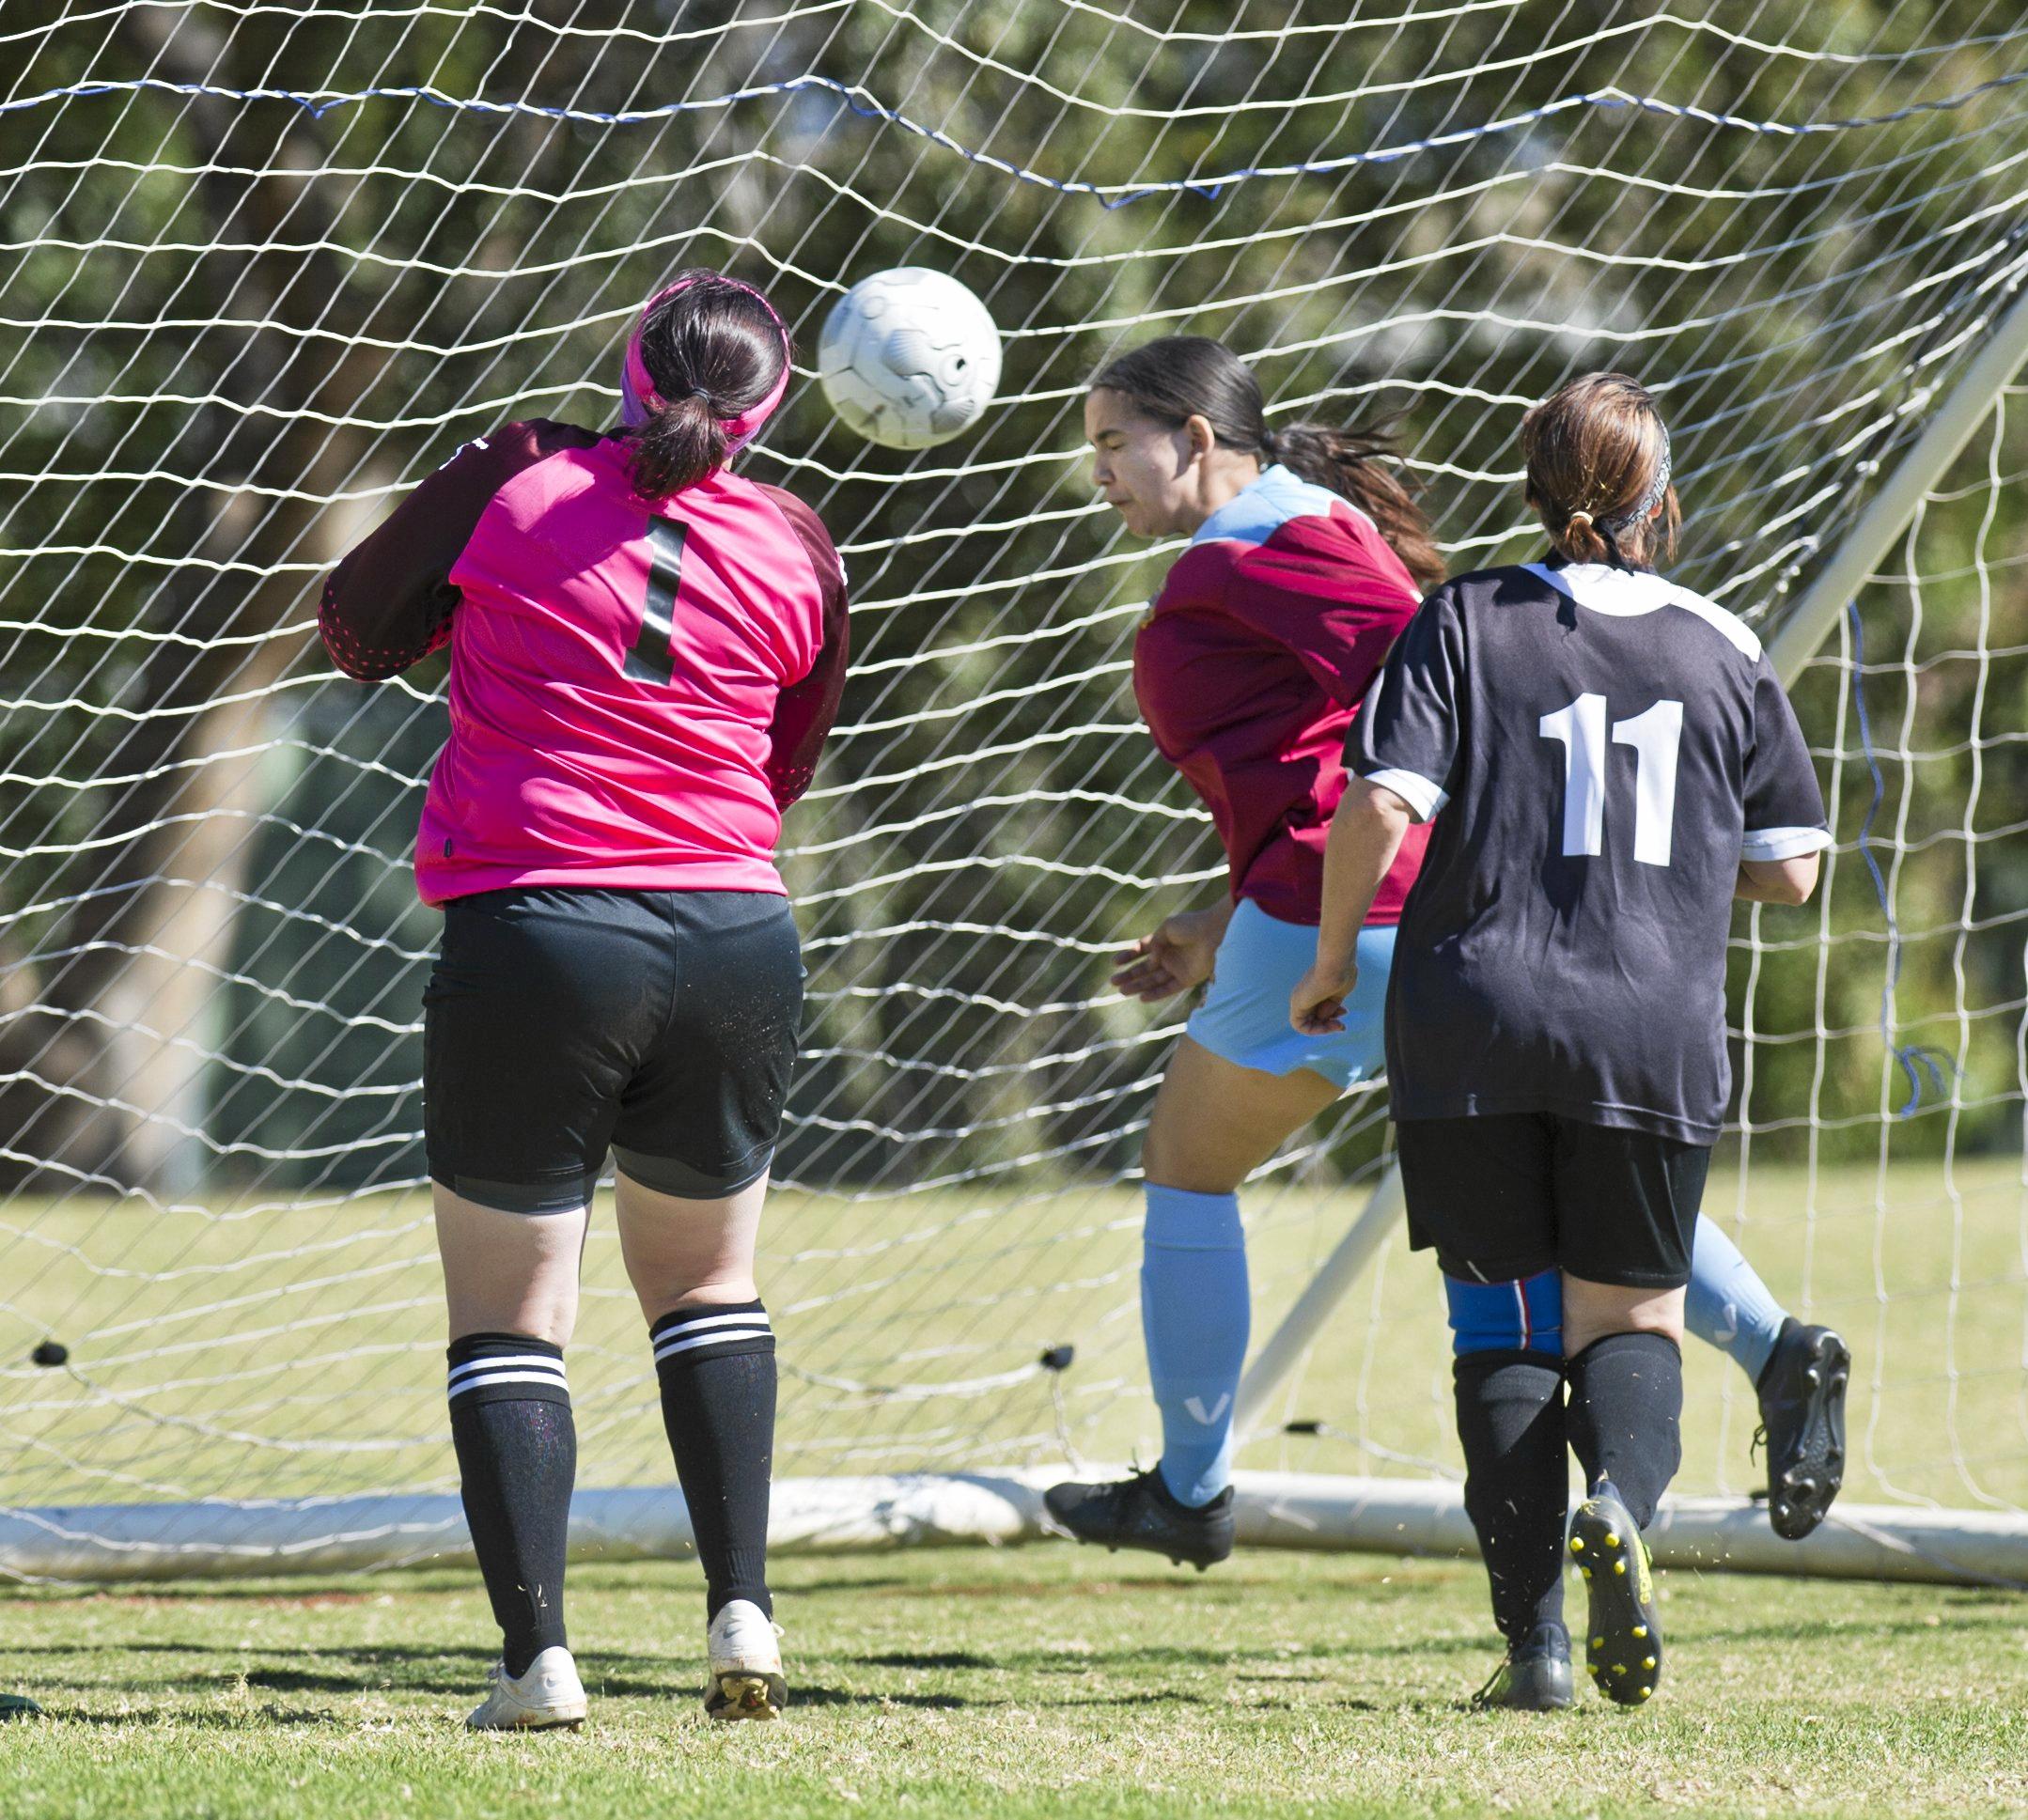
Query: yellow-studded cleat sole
x: 745, y: 1696
x: 1623, y: 1636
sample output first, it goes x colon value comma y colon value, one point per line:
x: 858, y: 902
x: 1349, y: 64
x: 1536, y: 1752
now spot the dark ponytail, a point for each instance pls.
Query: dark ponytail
x: 715, y: 351
x: 1185, y: 376
x: 678, y: 446
x: 1350, y: 462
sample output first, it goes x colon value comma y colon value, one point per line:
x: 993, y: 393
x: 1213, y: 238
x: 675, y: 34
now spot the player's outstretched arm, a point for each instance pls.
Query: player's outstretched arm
x: 1366, y: 833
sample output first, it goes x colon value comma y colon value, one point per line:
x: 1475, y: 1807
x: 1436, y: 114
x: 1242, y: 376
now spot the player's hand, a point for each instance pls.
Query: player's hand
x: 1316, y: 1007
x: 1178, y: 955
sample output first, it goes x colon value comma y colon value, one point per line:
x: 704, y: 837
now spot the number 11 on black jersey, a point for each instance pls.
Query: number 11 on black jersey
x: 1655, y: 736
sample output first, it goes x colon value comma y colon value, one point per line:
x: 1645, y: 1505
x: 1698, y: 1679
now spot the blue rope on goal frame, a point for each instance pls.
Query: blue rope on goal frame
x: 858, y: 102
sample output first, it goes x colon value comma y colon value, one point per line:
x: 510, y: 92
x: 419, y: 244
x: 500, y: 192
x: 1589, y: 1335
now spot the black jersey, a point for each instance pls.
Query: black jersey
x: 1604, y: 748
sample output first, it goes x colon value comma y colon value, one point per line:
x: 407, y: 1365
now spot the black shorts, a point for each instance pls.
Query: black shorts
x: 1505, y: 1196
x: 562, y: 1021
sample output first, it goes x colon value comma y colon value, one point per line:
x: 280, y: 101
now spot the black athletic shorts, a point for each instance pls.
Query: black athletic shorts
x: 1505, y: 1196
x: 562, y: 1021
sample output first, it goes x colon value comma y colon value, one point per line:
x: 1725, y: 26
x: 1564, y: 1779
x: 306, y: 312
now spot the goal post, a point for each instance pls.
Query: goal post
x: 1308, y: 1512
x: 265, y: 267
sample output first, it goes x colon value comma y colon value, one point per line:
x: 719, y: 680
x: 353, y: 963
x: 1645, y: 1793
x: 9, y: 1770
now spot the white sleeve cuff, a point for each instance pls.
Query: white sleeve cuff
x: 1423, y: 797
x: 1782, y: 843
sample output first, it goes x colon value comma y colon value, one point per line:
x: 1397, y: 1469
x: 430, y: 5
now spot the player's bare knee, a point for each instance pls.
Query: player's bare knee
x: 1592, y: 1310
x: 532, y: 1317
x: 1170, y: 1159
x: 665, y: 1297
x: 1166, y: 1169
x: 1202, y: 1148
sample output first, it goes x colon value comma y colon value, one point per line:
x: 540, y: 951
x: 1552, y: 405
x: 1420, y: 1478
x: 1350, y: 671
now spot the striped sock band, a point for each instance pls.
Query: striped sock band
x: 717, y: 1370
x: 505, y: 1368
x: 723, y: 1332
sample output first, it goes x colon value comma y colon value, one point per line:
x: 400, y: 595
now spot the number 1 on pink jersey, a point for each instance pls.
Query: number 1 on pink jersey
x: 653, y: 656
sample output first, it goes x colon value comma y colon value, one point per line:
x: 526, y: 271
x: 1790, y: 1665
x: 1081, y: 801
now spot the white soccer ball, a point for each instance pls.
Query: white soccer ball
x: 908, y: 358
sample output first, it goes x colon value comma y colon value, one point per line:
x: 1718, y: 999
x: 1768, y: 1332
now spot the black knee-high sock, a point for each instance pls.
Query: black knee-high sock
x: 1510, y: 1423
x: 717, y: 1371
x: 1625, y: 1416
x: 517, y: 1460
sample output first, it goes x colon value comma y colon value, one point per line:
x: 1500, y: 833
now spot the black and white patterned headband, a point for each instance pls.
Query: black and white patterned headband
x: 1644, y: 507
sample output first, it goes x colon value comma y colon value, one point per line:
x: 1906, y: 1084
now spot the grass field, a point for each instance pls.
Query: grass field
x: 1050, y: 1681
x: 299, y: 1350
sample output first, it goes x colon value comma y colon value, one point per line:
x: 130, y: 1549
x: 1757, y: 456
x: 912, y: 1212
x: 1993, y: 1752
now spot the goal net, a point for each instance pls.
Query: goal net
x: 266, y: 265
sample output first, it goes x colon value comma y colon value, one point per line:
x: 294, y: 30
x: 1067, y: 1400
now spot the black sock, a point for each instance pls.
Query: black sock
x: 1625, y: 1416
x: 1510, y: 1423
x: 717, y: 1371
x: 517, y: 1460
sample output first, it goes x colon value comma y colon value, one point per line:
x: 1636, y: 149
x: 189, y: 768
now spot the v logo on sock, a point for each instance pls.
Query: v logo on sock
x: 1195, y: 1405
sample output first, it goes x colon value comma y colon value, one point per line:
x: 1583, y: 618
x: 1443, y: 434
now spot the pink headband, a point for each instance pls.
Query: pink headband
x: 639, y: 401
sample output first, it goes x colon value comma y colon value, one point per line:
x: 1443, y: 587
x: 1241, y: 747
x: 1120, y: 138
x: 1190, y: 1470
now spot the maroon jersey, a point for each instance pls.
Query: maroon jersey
x: 1251, y: 667
x: 636, y: 692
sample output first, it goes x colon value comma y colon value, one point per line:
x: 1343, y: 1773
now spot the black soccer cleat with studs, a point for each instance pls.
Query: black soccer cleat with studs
x: 1143, y: 1513
x: 1536, y: 1676
x: 1803, y: 1425
x: 1623, y: 1632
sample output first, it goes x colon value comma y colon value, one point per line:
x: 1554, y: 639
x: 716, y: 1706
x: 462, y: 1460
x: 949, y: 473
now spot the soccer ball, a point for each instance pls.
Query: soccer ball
x: 908, y: 358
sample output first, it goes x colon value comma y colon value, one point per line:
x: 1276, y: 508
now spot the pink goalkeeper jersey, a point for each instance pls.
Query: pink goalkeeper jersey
x: 637, y: 691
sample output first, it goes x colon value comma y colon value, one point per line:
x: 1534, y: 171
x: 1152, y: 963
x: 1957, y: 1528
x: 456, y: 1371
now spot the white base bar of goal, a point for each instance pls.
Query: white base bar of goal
x: 1276, y: 1510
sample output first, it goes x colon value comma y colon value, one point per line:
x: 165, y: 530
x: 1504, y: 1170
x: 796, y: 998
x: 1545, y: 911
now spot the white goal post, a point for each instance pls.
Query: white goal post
x: 1318, y: 1512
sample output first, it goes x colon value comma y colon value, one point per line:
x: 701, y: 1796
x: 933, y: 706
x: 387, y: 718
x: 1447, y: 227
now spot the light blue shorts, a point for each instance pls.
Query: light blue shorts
x: 1244, y: 1016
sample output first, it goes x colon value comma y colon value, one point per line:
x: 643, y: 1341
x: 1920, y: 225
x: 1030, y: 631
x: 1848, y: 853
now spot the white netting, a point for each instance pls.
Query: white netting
x: 266, y: 265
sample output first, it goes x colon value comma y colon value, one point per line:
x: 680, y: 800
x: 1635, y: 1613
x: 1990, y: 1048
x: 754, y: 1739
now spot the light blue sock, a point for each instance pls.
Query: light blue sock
x: 1727, y: 1303
x: 1194, y: 1314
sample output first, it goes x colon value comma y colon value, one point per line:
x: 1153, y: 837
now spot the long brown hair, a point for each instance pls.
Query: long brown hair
x: 1185, y: 376
x: 713, y: 350
x: 1598, y: 459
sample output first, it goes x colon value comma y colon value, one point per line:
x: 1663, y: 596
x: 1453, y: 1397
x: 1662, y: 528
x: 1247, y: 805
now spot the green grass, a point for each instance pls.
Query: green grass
x: 1045, y: 1681
x: 292, y: 1351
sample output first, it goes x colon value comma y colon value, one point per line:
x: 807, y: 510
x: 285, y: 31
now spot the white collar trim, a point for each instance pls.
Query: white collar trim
x: 1627, y: 594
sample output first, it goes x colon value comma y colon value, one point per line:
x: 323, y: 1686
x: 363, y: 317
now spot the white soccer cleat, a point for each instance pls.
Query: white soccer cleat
x: 548, y: 1694
x: 746, y: 1664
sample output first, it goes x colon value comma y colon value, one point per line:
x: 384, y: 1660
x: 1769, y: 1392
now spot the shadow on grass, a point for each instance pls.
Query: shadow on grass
x: 306, y: 1681
x: 2011, y: 1612
x: 955, y: 1658
x: 213, y: 1721
x: 1180, y: 1580
x: 274, y: 1592
x: 244, y: 1652
x: 1150, y: 1656
x: 937, y: 1703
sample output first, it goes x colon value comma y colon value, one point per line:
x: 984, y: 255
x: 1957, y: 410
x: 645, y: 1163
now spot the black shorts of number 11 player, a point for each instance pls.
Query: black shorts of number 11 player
x: 1607, y: 758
